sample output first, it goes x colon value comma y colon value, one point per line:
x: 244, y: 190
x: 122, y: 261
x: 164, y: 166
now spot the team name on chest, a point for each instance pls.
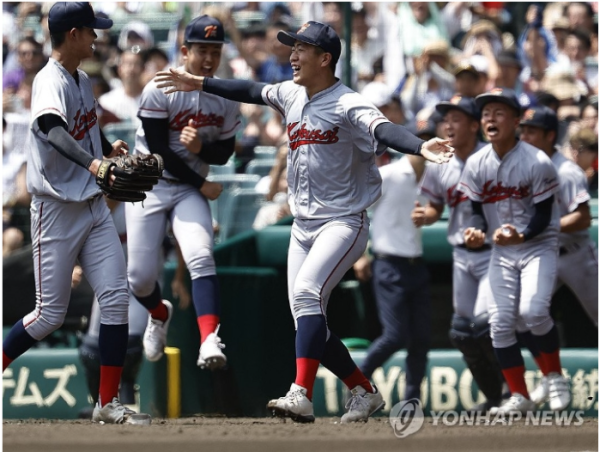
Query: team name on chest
x: 494, y: 193
x: 83, y: 122
x: 454, y: 197
x: 200, y: 119
x: 304, y: 135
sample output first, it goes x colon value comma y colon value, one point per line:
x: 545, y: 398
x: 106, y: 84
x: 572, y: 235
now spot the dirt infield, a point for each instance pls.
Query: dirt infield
x: 270, y: 435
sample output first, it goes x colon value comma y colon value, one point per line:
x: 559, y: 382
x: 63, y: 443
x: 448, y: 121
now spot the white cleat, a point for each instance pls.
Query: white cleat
x: 362, y: 404
x: 294, y: 405
x: 115, y: 413
x: 559, y: 393
x: 210, y: 356
x: 516, y: 404
x: 540, y: 394
x: 155, y: 336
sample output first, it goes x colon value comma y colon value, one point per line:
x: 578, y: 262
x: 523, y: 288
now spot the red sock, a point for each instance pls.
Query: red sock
x: 5, y: 361
x: 357, y: 378
x: 110, y: 376
x: 552, y: 362
x: 207, y: 324
x: 306, y: 373
x: 541, y: 363
x: 515, y: 379
x: 160, y: 312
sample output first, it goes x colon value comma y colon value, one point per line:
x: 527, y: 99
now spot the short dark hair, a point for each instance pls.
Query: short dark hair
x: 583, y: 36
x: 588, y: 8
x: 546, y: 99
x: 332, y: 63
x: 58, y: 39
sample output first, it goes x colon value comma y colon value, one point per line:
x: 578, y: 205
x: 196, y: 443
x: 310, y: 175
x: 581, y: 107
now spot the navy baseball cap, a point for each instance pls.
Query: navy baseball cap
x: 64, y: 16
x: 205, y: 29
x: 542, y: 117
x: 422, y: 127
x: 316, y: 34
x: 465, y: 104
x: 503, y: 95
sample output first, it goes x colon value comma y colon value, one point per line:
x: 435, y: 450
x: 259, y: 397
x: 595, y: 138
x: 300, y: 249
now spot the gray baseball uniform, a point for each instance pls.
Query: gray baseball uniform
x: 69, y: 218
x: 578, y: 259
x: 470, y: 286
x: 332, y: 179
x: 521, y: 276
x: 185, y: 207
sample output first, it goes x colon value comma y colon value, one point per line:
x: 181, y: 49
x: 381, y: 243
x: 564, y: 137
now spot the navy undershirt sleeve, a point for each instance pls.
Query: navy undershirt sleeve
x: 540, y: 220
x: 245, y: 91
x: 398, y: 138
x: 157, y: 137
x: 56, y: 129
x: 218, y: 152
x: 477, y: 220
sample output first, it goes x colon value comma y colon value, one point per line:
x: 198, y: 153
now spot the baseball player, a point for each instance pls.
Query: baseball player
x: 69, y: 217
x: 190, y: 130
x: 512, y: 186
x: 577, y: 257
x: 333, y: 136
x: 469, y: 331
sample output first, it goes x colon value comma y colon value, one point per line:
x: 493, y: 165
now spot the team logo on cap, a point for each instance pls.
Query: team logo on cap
x: 529, y: 114
x: 303, y: 28
x: 210, y: 31
x: 497, y: 91
x: 421, y: 124
x: 455, y: 100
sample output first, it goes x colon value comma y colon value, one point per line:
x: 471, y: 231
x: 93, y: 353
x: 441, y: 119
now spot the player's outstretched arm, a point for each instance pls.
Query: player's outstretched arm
x: 176, y: 79
x: 400, y: 139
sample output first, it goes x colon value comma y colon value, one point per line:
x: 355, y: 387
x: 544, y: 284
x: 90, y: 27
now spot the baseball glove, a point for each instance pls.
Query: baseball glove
x: 134, y: 175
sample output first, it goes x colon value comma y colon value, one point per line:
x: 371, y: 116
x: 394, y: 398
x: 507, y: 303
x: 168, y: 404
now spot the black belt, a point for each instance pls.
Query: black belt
x: 170, y: 181
x: 398, y: 259
x: 485, y: 247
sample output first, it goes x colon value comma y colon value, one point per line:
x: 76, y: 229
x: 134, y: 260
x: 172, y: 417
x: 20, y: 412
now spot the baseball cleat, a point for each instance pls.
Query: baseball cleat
x: 486, y: 406
x: 210, y: 356
x: 516, y: 404
x: 362, y: 404
x: 155, y: 336
x: 294, y: 405
x: 541, y: 392
x: 559, y: 393
x: 115, y: 413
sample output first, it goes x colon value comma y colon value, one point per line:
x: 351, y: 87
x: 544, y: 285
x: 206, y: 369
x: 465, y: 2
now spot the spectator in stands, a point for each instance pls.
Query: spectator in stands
x: 467, y: 80
x: 12, y: 240
x: 577, y: 48
x: 589, y: 114
x: 135, y: 33
x: 580, y: 15
x: 431, y: 83
x: 155, y: 59
x: 365, y: 50
x: 419, y: 23
x: 30, y: 60
x: 510, y: 68
x: 276, y: 68
x: 122, y: 104
x: 383, y: 97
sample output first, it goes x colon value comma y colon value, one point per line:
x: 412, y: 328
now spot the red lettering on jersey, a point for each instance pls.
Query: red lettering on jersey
x: 304, y: 136
x: 182, y: 119
x: 83, y: 123
x: 492, y: 194
x: 455, y: 197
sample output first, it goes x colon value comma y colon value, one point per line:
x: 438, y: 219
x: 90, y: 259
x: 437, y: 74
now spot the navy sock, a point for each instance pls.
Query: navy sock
x: 549, y: 342
x: 17, y: 341
x: 112, y: 342
x: 205, y: 295
x: 509, y: 357
x: 151, y: 301
x: 337, y: 359
x: 526, y: 339
x: 311, y: 336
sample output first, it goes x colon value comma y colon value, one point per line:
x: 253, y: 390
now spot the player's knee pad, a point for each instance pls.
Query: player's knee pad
x: 461, y: 335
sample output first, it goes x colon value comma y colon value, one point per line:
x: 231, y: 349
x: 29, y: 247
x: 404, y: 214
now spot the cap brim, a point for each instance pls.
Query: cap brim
x: 483, y: 99
x: 100, y: 23
x: 445, y: 107
x: 208, y: 41
x: 289, y: 39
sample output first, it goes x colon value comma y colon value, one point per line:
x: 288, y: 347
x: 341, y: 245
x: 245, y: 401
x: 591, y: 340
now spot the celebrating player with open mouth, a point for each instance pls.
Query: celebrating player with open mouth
x: 333, y: 134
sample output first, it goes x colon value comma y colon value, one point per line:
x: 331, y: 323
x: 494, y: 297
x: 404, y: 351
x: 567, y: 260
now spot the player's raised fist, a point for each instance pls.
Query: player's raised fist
x: 190, y: 139
x: 437, y: 150
x: 175, y: 79
x: 211, y: 190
